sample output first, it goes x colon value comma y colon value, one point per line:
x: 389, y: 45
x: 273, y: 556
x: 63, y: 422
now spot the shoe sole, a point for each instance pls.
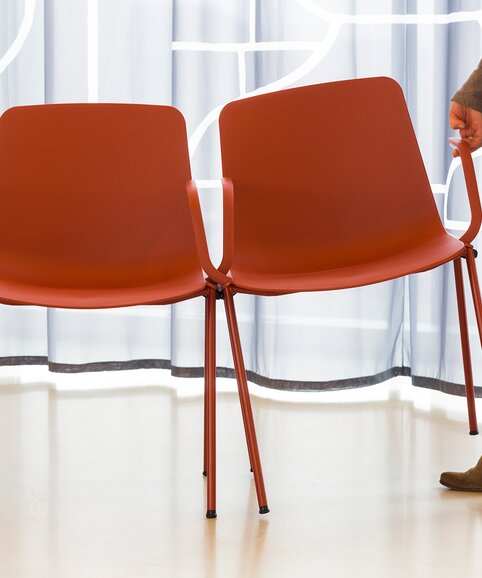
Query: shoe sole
x: 458, y: 489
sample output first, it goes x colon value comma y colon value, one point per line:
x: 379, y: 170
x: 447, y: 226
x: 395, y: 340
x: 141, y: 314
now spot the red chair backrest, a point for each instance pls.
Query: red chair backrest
x: 93, y: 195
x: 324, y: 176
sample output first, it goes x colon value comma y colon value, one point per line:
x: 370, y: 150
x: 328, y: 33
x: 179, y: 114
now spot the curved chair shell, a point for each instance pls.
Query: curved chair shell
x: 93, y: 206
x: 330, y: 188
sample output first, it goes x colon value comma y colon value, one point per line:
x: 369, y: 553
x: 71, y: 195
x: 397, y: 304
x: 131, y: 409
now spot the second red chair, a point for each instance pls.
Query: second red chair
x: 325, y: 188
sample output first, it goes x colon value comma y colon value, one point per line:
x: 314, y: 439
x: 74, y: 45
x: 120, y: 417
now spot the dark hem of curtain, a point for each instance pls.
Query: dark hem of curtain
x: 281, y: 384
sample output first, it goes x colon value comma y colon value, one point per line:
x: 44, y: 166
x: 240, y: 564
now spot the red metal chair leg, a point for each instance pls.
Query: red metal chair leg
x: 206, y: 388
x: 474, y: 286
x: 245, y: 401
x: 464, y: 337
x: 210, y: 402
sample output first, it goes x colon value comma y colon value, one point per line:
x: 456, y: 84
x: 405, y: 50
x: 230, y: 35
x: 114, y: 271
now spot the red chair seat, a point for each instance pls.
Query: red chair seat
x: 415, y: 259
x: 168, y: 291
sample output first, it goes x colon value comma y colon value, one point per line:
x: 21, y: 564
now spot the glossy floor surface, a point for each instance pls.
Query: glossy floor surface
x: 105, y: 482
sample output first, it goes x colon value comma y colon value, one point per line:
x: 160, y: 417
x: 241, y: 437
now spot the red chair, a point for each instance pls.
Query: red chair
x: 94, y: 214
x: 325, y: 189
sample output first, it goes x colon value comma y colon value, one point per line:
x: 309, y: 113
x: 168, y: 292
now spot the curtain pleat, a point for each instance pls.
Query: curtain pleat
x: 197, y: 56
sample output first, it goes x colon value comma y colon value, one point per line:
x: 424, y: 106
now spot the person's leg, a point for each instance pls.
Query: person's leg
x: 469, y: 481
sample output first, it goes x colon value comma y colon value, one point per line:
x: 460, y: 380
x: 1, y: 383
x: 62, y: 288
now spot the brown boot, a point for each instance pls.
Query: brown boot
x: 469, y: 481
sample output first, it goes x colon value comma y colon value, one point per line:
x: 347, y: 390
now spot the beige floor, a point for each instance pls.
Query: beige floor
x: 98, y: 481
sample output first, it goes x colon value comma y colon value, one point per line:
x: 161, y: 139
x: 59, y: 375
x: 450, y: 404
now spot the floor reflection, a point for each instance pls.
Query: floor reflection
x: 108, y: 483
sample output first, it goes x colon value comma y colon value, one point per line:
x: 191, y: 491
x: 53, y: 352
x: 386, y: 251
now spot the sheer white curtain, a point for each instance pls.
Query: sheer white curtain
x: 197, y: 55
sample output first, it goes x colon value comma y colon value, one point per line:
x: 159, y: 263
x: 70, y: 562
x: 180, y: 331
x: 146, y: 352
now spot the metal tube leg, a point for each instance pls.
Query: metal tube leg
x: 210, y: 402
x: 245, y: 401
x: 206, y: 388
x: 464, y: 337
x: 474, y: 286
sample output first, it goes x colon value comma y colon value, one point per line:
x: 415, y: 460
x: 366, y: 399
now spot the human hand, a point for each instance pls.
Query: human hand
x: 469, y: 123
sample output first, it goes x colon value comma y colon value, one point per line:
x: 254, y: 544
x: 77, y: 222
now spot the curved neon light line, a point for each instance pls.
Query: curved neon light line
x: 462, y: 16
x: 22, y: 35
x: 242, y: 47
x: 308, y: 65
x: 318, y: 54
x: 319, y: 51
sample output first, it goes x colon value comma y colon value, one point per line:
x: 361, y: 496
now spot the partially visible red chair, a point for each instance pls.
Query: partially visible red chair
x: 325, y: 189
x: 94, y: 214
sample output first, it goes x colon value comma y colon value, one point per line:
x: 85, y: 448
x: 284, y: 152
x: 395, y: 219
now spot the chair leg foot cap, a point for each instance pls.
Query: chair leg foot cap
x: 263, y: 510
x: 211, y: 514
x: 474, y: 432
x: 205, y: 473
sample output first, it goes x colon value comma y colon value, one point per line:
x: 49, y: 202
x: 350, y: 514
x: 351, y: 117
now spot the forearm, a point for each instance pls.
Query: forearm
x: 470, y: 94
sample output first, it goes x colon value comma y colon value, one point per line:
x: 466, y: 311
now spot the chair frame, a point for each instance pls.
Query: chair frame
x: 226, y: 289
x: 470, y: 255
x: 222, y: 283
